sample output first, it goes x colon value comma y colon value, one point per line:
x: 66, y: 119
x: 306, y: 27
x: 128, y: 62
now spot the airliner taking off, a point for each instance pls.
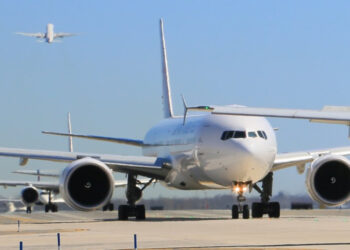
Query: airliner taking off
x: 230, y: 147
x: 50, y: 36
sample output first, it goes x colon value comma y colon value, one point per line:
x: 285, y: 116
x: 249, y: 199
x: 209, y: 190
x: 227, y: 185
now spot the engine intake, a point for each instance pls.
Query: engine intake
x: 87, y: 184
x: 29, y: 196
x: 328, y: 180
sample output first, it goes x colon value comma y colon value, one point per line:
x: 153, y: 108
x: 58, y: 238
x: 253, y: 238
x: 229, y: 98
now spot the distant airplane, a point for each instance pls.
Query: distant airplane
x: 49, y: 36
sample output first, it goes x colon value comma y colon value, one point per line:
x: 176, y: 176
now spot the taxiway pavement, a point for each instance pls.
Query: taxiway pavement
x: 210, y: 229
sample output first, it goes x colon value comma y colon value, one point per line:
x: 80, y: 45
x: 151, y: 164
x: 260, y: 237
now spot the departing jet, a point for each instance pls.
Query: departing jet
x: 230, y: 147
x: 49, y: 36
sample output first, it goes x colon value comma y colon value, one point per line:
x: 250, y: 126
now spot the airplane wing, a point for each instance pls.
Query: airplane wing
x: 38, y: 184
x: 61, y: 35
x: 100, y: 138
x: 329, y: 114
x: 151, y: 167
x: 37, y: 35
x: 300, y: 159
x: 37, y: 173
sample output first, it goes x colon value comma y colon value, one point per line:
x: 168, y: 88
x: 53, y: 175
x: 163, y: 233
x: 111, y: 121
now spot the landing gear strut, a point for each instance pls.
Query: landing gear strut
x: 265, y: 207
x: 133, y: 194
x: 51, y: 206
x: 29, y: 210
x: 240, y: 188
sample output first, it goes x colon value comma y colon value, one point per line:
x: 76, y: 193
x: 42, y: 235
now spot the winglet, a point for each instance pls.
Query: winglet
x: 167, y: 102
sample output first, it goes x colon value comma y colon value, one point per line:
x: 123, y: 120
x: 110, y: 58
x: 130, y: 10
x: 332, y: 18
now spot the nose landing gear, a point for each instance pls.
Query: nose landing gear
x: 240, y: 188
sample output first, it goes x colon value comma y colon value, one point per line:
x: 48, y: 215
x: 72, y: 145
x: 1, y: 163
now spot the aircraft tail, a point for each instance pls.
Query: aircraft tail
x: 166, y: 97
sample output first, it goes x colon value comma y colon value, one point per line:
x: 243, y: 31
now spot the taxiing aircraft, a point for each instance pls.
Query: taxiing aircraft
x: 50, y: 36
x: 231, y: 147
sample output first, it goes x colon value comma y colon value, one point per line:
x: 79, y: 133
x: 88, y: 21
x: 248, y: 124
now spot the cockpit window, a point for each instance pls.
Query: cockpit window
x: 232, y: 134
x: 262, y: 134
x: 252, y: 134
x: 239, y: 134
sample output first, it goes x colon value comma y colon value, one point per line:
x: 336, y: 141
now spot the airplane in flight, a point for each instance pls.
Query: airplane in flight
x: 49, y: 36
x: 224, y: 147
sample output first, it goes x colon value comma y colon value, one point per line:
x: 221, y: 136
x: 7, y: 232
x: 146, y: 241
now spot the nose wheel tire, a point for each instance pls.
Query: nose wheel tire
x: 245, y: 212
x: 236, y: 210
x: 274, y: 210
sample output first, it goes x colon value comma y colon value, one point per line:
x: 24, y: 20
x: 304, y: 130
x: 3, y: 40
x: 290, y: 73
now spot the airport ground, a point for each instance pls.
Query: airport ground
x: 177, y: 229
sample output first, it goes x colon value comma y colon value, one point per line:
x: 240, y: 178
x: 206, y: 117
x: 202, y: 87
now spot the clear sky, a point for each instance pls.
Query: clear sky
x: 288, y: 54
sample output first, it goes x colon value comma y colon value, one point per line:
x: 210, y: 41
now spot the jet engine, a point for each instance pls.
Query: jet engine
x: 87, y: 184
x: 29, y: 196
x: 328, y: 180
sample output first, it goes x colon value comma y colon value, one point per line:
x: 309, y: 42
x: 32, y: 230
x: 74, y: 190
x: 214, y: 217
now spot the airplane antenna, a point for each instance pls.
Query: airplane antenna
x: 70, y: 138
x: 167, y: 102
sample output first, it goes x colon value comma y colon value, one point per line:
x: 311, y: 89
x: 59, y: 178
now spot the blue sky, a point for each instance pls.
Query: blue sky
x: 290, y: 54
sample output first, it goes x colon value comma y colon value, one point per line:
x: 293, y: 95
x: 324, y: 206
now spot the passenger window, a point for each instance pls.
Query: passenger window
x: 252, y: 134
x: 239, y: 134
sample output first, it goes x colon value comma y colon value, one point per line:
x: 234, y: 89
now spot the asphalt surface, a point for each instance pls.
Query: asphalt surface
x: 176, y: 229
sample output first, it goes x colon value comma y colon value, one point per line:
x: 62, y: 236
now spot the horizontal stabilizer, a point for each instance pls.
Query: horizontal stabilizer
x: 37, y: 173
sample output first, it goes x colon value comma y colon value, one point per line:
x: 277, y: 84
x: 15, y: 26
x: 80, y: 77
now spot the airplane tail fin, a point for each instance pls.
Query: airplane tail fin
x: 70, y: 138
x: 166, y: 97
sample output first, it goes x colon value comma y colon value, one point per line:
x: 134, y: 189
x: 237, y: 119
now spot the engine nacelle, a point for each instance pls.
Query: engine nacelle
x: 87, y: 184
x: 328, y: 180
x: 29, y: 196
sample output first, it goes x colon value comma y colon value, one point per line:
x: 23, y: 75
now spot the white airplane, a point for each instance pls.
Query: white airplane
x: 49, y: 36
x: 231, y: 147
x: 47, y: 193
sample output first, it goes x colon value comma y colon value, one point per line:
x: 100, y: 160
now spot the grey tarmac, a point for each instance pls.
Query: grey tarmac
x: 177, y: 229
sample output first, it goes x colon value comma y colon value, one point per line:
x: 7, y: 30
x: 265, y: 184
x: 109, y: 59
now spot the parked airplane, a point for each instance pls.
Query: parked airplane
x: 49, y: 36
x: 227, y: 147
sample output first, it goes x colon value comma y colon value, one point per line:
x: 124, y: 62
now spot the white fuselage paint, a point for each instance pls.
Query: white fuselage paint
x: 49, y: 36
x: 201, y: 160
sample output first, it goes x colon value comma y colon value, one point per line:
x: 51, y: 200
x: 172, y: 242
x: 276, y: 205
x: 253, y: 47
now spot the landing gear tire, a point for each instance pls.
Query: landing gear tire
x: 245, y: 212
x: 257, y: 210
x: 274, y: 210
x: 52, y: 207
x: 140, y: 212
x: 110, y: 207
x: 29, y: 210
x: 123, y: 212
x: 235, y: 212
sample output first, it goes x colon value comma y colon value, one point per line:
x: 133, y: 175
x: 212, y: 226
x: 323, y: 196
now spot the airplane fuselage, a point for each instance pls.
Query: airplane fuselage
x: 49, y: 35
x: 213, y: 151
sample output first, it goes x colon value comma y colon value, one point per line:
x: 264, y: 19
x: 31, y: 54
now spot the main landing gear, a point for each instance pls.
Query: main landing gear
x: 29, y: 210
x: 133, y: 194
x: 51, y: 206
x: 108, y: 206
x: 240, y: 188
x: 265, y: 207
